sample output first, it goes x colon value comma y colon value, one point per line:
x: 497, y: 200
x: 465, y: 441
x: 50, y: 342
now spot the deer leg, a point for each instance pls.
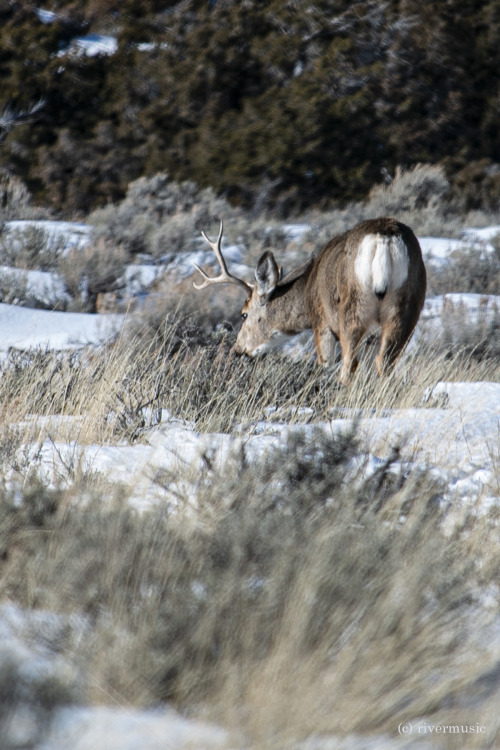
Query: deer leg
x: 349, y: 342
x: 324, y: 341
x: 392, y: 342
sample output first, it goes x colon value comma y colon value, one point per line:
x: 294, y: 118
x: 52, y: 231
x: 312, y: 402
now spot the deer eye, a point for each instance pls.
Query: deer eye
x: 244, y: 316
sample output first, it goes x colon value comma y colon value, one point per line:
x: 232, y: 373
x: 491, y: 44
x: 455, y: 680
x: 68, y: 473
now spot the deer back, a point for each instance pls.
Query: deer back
x: 379, y: 262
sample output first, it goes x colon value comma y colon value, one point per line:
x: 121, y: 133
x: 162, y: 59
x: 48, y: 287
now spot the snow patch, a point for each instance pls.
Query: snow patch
x: 26, y: 328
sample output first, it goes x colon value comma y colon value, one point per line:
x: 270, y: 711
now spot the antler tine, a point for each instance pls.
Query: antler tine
x: 216, y: 247
x: 225, y: 276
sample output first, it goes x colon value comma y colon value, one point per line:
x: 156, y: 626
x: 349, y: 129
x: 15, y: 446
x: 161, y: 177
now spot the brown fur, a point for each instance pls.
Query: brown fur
x: 334, y: 299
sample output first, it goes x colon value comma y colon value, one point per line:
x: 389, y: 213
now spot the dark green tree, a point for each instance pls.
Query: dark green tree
x: 271, y: 103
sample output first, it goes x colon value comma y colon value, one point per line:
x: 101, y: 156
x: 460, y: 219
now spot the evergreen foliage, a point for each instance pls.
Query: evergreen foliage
x: 284, y: 104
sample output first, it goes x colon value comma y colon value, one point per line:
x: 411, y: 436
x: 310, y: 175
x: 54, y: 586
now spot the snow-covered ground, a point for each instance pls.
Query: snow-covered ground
x: 455, y: 433
x: 458, y: 436
x: 439, y: 249
x: 91, y: 45
x: 26, y: 328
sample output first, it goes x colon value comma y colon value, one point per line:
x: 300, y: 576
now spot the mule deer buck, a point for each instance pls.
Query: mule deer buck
x: 372, y: 277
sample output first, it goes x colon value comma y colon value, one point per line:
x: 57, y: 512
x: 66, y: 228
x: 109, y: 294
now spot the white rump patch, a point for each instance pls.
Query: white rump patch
x: 382, y: 263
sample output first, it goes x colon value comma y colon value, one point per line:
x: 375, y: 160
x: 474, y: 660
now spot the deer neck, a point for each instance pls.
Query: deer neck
x: 288, y: 307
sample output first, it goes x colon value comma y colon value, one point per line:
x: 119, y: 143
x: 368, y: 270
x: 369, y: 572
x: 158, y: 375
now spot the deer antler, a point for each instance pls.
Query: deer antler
x: 225, y: 276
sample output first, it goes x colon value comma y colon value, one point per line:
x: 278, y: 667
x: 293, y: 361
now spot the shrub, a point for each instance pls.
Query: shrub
x: 412, y: 190
x: 420, y: 197
x: 31, y: 248
x: 477, y: 186
x: 472, y: 269
x: 475, y: 337
x: 14, y: 288
x: 94, y: 269
x: 159, y: 216
x: 15, y: 198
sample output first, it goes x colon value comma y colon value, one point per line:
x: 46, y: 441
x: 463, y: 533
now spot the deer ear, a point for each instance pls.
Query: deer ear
x: 267, y: 275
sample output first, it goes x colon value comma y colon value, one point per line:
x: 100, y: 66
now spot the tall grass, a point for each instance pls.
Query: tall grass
x: 120, y: 390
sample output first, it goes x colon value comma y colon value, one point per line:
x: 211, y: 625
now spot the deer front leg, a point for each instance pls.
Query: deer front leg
x: 325, y: 343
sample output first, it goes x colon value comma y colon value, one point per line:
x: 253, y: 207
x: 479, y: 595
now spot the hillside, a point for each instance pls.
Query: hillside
x: 276, y: 105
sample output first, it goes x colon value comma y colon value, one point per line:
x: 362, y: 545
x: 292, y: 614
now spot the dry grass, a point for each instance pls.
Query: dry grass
x: 117, y: 392
x: 294, y: 603
x: 298, y: 599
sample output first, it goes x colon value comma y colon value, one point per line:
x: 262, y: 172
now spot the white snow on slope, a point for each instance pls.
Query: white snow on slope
x: 25, y: 328
x: 457, y: 437
x: 483, y: 235
x: 103, y: 728
x: 473, y: 305
x: 438, y: 250
x: 45, y: 16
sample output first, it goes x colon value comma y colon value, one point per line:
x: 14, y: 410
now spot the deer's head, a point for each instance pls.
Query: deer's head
x: 262, y: 326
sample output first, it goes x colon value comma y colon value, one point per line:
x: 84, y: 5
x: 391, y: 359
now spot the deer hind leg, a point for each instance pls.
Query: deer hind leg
x: 349, y: 342
x: 395, y: 335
